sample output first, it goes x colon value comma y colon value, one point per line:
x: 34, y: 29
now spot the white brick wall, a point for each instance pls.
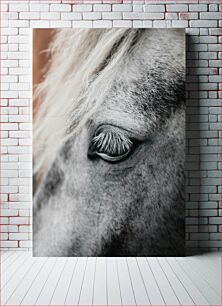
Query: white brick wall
x: 201, y: 20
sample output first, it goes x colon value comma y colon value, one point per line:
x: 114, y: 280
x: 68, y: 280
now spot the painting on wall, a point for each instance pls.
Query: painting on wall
x: 108, y: 142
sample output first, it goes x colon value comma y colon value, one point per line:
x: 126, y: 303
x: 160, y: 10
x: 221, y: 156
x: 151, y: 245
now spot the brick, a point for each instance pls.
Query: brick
x: 102, y: 7
x: 19, y: 7
x: 12, y: 158
x: 25, y: 244
x: 19, y: 149
x: 39, y: 7
x: 60, y: 24
x: 177, y: 8
x: 214, y: 197
x: 19, y: 86
x: 134, y: 15
x: 9, y: 212
x: 8, y: 244
x: 180, y: 23
x: 171, y: 16
x: 82, y: 24
x: 203, y: 23
x: 24, y: 229
x: 18, y: 220
x: 208, y: 39
x: 213, y: 7
x: 210, y: 15
x: 25, y: 126
x: 18, y: 71
x: 9, y: 31
x: 60, y: 7
x: 208, y: 205
x: 198, y: 7
x: 9, y: 142
x: 214, y: 47
x: 4, y: 7
x: 187, y: 16
x: 207, y: 55
x: 137, y: 8
x: 161, y: 23
x: 137, y: 23
x: 121, y: 7
x: 70, y: 16
x: 39, y: 24
x: 18, y: 23
x: 18, y: 55
x: 52, y: 16
x: 19, y: 102
x: 29, y: 15
x: 24, y: 212
x: 215, y: 78
x: 112, y: 15
x: 216, y: 31
x: 207, y: 212
x: 26, y: 47
x: 207, y: 189
x: 9, y: 126
x: 18, y: 236
x: 147, y: 24
x: 122, y: 23
x: 92, y: 15
x: 8, y: 228
x: 9, y: 173
x: 4, y: 220
x: 211, y: 181
x: 4, y: 236
x: 82, y: 8
x: 215, y: 220
x: 19, y: 118
x: 9, y: 63
x: 199, y: 236
x: 209, y: 228
x: 102, y: 24
x: 154, y: 8
x: 215, y: 236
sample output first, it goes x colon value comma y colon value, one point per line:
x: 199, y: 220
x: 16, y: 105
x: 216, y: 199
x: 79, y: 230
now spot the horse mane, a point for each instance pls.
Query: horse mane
x: 84, y: 63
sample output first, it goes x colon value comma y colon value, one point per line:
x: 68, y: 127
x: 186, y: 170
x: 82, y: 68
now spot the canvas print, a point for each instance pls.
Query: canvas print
x: 108, y: 142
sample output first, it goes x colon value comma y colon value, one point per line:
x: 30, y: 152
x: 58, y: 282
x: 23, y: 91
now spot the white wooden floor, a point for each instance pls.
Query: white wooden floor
x: 26, y: 280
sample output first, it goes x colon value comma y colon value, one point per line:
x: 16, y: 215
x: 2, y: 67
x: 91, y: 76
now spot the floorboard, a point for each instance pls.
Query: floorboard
x: 100, y: 283
x: 179, y: 289
x: 126, y: 288
x: 62, y: 287
x: 50, y: 285
x: 207, y: 291
x: 168, y: 292
x: 113, y: 285
x: 27, y: 280
x: 86, y: 294
x: 74, y: 290
x: 189, y: 284
x: 152, y: 287
x: 140, y: 292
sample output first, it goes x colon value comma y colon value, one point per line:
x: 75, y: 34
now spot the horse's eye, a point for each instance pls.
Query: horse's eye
x: 111, y: 144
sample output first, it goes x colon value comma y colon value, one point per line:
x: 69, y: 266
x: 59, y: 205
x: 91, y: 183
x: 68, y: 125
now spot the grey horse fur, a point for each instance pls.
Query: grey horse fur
x: 135, y: 207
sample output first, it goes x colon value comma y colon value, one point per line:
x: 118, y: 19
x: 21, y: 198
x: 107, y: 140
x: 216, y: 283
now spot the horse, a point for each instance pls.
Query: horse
x: 109, y: 145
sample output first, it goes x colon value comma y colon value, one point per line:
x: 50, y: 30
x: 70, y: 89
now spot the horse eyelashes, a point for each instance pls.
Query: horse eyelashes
x: 110, y: 144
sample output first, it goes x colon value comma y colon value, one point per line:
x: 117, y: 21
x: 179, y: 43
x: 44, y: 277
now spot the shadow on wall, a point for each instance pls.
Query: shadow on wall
x: 193, y: 172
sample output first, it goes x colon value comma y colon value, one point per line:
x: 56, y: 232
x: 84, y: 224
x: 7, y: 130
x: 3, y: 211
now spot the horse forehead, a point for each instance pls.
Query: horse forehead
x: 147, y: 73
x: 157, y: 54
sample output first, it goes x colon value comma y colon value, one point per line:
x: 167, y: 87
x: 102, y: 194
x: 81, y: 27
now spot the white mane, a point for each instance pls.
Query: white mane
x: 76, y: 83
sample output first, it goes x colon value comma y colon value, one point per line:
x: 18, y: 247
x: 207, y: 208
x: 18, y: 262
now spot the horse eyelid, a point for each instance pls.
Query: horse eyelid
x: 110, y: 145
